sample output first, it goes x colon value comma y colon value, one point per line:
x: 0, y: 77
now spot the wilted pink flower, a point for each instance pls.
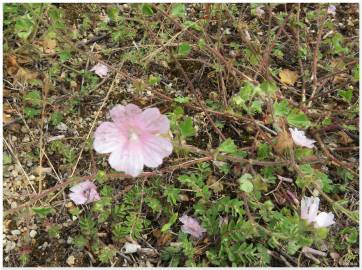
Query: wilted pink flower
x: 191, y: 226
x: 100, y: 69
x: 133, y: 138
x: 300, y: 139
x: 85, y: 192
x: 332, y: 10
x: 309, y: 209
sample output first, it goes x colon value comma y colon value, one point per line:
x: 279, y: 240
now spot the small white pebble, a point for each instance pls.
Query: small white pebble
x: 62, y: 127
x: 15, y: 232
x: 69, y: 240
x: 26, y: 139
x: 32, y: 233
x: 71, y: 260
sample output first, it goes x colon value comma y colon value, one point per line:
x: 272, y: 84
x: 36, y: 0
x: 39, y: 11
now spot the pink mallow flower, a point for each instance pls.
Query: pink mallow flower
x: 332, y: 10
x: 134, y: 138
x: 100, y: 69
x: 191, y: 226
x: 300, y: 139
x: 85, y: 192
x: 309, y: 209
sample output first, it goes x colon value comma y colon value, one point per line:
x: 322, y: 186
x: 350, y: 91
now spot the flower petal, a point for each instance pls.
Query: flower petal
x: 313, y: 209
x: 128, y: 159
x: 100, y: 69
x: 154, y: 121
x: 77, y: 198
x: 191, y: 226
x: 107, y: 138
x: 121, y: 114
x: 304, y: 206
x: 300, y: 139
x: 324, y: 220
x: 154, y: 149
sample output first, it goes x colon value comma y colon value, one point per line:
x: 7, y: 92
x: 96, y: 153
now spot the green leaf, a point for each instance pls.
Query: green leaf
x: 54, y: 231
x: 182, y: 100
x: 245, y: 183
x: 107, y: 255
x: 356, y: 73
x: 178, y: 10
x: 64, y: 56
x: 347, y: 95
x: 153, y: 80
x: 247, y: 91
x: 154, y: 204
x: 256, y: 107
x: 263, y: 151
x: 31, y: 112
x: 351, y: 234
x: 168, y: 225
x: 184, y: 49
x: 56, y: 118
x: 112, y: 13
x: 192, y: 25
x: 281, y: 108
x: 33, y: 97
x: 186, y: 127
x: 101, y: 176
x: 298, y: 119
x: 43, y: 211
x: 172, y: 194
x: 147, y: 9
x: 80, y: 241
x: 228, y: 146
x: 7, y: 159
x: 201, y: 43
x: 269, y: 87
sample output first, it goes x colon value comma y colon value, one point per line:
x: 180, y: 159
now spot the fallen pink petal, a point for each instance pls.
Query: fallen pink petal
x: 300, y: 139
x: 309, y: 210
x: 332, y: 10
x: 83, y: 193
x: 100, y: 69
x: 191, y: 226
x: 134, y: 139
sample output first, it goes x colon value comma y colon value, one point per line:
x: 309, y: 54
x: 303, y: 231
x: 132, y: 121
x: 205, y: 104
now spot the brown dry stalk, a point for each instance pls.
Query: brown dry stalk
x: 234, y: 71
x: 196, y: 94
x: 315, y: 60
x: 266, y: 56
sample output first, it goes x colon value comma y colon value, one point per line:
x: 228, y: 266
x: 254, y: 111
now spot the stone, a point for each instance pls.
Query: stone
x: 70, y: 260
x: 15, y: 232
x: 32, y: 233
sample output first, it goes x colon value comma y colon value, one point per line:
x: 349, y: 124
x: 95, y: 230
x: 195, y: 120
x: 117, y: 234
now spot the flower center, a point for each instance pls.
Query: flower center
x: 132, y: 135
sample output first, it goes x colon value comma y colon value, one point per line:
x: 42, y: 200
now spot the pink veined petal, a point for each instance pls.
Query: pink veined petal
x: 107, y: 138
x: 128, y: 159
x: 153, y: 121
x: 324, y: 220
x: 313, y: 209
x: 77, y: 198
x: 83, y: 186
x: 121, y: 114
x: 154, y: 149
x: 100, y: 69
x: 191, y: 226
x: 300, y: 139
x: 93, y: 196
x: 305, y: 204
